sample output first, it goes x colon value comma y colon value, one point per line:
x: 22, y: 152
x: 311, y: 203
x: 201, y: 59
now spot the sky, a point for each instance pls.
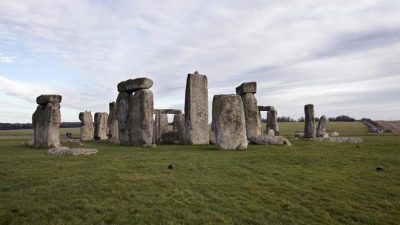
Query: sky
x: 342, y: 56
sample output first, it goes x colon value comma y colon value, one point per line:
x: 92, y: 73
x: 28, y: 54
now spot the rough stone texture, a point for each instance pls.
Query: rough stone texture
x: 123, y: 117
x: 65, y: 151
x: 100, y: 126
x: 167, y: 111
x: 334, y: 134
x: 121, y: 86
x: 229, y: 123
x: 46, y: 121
x: 112, y: 124
x: 133, y: 85
x: 265, y: 108
x: 141, y: 122
x: 212, y: 138
x: 169, y: 137
x: 179, y: 128
x: 272, y: 121
x: 252, y: 116
x: 309, y: 124
x: 352, y: 140
x: 271, y: 132
x: 87, y: 128
x: 270, y: 140
x: 160, y: 127
x: 322, y: 126
x: 196, y: 109
x: 44, y: 99
x: 249, y: 87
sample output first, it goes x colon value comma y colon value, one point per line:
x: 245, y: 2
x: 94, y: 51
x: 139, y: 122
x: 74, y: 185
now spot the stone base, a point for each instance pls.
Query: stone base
x: 65, y: 151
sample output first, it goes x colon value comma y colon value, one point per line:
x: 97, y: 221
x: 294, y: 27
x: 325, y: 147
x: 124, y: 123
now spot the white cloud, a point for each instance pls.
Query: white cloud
x: 6, y: 59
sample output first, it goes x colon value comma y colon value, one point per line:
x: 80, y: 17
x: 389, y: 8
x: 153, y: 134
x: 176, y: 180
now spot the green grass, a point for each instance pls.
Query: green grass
x: 308, y: 183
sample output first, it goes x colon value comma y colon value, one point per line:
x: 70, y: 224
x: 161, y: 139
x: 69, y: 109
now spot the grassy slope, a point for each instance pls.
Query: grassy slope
x: 309, y: 183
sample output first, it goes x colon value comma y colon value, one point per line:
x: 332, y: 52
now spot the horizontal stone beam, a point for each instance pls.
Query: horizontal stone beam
x: 265, y: 108
x: 133, y: 85
x: 167, y: 111
x: 44, y: 99
x: 249, y: 87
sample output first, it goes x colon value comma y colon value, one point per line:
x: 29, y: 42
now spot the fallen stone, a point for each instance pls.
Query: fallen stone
x: 65, y: 151
x: 299, y: 134
x: 249, y: 87
x: 44, y: 99
x: 334, y: 134
x: 269, y: 140
x: 133, y: 85
x: 352, y: 140
x: 228, y: 122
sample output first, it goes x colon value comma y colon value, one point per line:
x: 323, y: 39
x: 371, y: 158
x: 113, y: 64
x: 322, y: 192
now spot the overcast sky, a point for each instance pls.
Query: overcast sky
x: 343, y: 56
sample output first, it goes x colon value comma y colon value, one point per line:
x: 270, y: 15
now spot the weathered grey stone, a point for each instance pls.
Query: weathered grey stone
x: 112, y: 124
x: 133, y: 85
x: 196, y: 109
x: 252, y: 116
x: 334, y: 134
x: 309, y: 123
x: 46, y: 121
x: 299, y: 134
x: 322, y: 126
x: 179, y: 128
x: 352, y: 140
x: 44, y: 99
x: 167, y: 111
x: 100, y: 126
x: 123, y: 117
x: 160, y: 127
x: 272, y: 121
x: 265, y: 108
x: 121, y: 86
x: 229, y: 123
x: 65, y: 151
x: 270, y: 140
x: 212, y: 138
x: 249, y: 87
x: 87, y: 128
x: 141, y: 118
x: 169, y: 137
x: 271, y: 132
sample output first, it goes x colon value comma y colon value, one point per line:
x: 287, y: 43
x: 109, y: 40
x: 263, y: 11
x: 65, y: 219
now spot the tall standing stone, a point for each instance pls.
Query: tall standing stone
x: 322, y: 126
x: 46, y: 121
x: 309, y: 123
x: 228, y: 121
x: 141, y: 118
x: 100, y: 126
x: 196, y: 109
x: 179, y: 127
x: 272, y: 121
x: 160, y: 127
x: 253, y: 122
x: 87, y: 128
x: 112, y: 124
x: 123, y: 114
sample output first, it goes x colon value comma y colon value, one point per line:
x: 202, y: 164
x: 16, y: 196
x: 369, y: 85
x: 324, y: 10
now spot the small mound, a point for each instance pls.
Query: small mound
x: 65, y: 151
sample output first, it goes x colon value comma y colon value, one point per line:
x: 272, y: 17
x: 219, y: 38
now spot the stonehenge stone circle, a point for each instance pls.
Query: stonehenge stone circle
x: 133, y: 85
x: 46, y: 121
x: 100, y: 126
x: 123, y: 114
x: 160, y: 127
x: 196, y: 109
x: 251, y: 112
x: 229, y: 123
x: 112, y: 124
x: 322, y: 126
x: 179, y: 128
x: 309, y: 124
x: 87, y: 128
x: 272, y: 121
x: 141, y: 122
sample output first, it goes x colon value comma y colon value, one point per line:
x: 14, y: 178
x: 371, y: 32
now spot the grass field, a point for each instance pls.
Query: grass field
x: 308, y: 183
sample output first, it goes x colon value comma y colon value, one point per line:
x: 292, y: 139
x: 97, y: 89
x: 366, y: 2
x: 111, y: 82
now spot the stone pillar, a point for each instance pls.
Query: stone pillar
x: 272, y: 121
x: 252, y: 115
x: 322, y: 126
x: 229, y: 124
x: 46, y: 121
x: 112, y: 124
x: 123, y: 113
x: 309, y: 126
x: 179, y: 128
x: 100, y: 126
x: 160, y: 127
x: 196, y: 109
x: 87, y: 128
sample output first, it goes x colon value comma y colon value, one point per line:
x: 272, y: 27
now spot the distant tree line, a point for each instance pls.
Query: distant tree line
x: 19, y: 126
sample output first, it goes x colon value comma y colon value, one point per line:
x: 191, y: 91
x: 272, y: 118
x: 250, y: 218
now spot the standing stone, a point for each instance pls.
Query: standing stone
x: 46, y: 121
x: 179, y: 128
x: 229, y: 123
x: 252, y: 115
x: 123, y: 114
x: 272, y: 121
x: 196, y: 109
x: 87, y: 128
x: 322, y: 126
x: 160, y: 127
x: 141, y: 122
x: 309, y: 126
x: 100, y: 126
x: 112, y: 124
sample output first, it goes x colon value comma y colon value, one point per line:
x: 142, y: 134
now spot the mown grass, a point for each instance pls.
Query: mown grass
x: 308, y: 183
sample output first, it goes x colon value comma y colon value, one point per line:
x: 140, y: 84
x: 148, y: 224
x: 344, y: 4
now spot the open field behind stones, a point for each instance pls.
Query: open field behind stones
x: 308, y: 183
